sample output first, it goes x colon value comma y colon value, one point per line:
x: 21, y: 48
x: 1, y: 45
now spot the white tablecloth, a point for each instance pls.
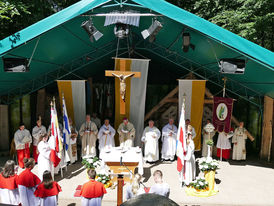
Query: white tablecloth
x: 133, y: 154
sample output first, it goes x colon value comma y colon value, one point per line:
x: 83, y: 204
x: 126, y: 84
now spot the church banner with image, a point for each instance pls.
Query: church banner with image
x: 193, y: 91
x: 222, y: 112
x: 135, y: 96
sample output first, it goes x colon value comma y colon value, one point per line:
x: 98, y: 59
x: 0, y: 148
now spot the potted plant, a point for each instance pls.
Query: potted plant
x: 200, y: 184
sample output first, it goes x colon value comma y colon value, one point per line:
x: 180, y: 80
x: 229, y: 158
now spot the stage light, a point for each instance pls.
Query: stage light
x: 152, y: 31
x: 91, y: 30
x: 121, y: 30
x: 232, y: 66
x: 15, y: 65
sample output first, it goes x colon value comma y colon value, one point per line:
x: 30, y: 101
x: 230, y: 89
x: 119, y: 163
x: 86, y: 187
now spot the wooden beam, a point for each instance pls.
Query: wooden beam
x: 172, y: 100
x: 108, y: 73
x: 208, y: 101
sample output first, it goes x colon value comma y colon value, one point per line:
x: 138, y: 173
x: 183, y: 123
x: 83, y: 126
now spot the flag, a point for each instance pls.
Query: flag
x: 181, y: 140
x: 66, y: 127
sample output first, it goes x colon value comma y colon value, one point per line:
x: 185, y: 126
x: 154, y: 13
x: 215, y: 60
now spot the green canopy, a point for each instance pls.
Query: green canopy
x: 57, y: 46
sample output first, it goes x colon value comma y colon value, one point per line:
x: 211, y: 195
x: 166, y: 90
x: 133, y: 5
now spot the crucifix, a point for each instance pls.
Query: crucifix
x: 122, y: 75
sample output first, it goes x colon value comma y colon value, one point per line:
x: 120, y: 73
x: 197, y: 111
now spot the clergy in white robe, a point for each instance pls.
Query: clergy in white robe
x: 106, y: 136
x: 190, y: 128
x: 72, y: 143
x: 224, y: 145
x: 37, y: 132
x: 239, y: 140
x: 126, y: 133
x: 150, y: 137
x: 188, y: 172
x: 160, y: 187
x: 22, y: 139
x: 169, y: 136
x: 88, y: 133
x: 208, y: 133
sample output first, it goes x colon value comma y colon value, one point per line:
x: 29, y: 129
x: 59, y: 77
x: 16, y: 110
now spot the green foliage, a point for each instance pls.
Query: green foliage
x: 199, y: 184
x: 210, y: 142
x: 91, y: 163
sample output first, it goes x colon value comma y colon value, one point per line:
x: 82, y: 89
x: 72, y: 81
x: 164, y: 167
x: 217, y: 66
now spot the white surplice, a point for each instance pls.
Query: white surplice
x: 44, y: 162
x: 208, y: 133
x: 160, y: 189
x: 27, y: 196
x: 169, y: 135
x: 9, y: 197
x: 22, y: 138
x: 106, y: 137
x: 37, y: 132
x: 239, y: 150
x: 223, y: 140
x: 150, y: 138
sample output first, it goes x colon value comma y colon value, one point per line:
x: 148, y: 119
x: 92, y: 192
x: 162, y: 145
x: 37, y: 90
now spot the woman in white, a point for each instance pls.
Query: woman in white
x: 44, y: 162
x: 135, y: 188
x: 106, y: 136
x: 150, y: 137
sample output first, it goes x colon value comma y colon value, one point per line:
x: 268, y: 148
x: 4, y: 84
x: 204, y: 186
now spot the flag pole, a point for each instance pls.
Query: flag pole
x: 224, y: 79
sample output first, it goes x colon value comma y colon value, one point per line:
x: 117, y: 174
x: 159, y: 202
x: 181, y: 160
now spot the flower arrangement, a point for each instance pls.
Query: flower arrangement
x: 102, y: 178
x: 92, y: 163
x: 210, y: 142
x: 199, y: 184
x: 208, y: 164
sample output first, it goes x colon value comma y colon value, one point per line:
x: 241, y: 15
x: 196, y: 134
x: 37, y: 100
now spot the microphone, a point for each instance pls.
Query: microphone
x: 121, y: 160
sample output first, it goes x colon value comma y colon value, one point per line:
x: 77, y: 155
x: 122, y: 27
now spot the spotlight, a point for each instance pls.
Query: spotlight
x: 91, y: 30
x: 152, y: 31
x: 121, y: 30
x: 232, y: 66
x: 15, y: 65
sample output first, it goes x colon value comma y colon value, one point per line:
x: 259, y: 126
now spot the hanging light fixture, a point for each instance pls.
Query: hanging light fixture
x: 152, y: 31
x: 121, y: 30
x: 91, y: 30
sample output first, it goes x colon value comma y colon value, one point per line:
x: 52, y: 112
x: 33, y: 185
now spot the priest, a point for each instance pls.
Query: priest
x: 37, y: 132
x: 106, y: 136
x: 22, y: 139
x: 224, y: 145
x: 208, y: 133
x: 238, y: 140
x: 169, y: 135
x: 150, y: 137
x: 126, y: 133
x: 88, y: 133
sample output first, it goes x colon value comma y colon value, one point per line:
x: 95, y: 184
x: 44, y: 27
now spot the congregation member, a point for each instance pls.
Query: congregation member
x: 37, y: 132
x: 44, y: 162
x: 188, y: 173
x: 106, y: 136
x: 96, y: 120
x: 22, y: 139
x: 9, y: 184
x: 27, y: 184
x: 190, y: 128
x: 160, y: 187
x: 48, y: 190
x: 224, y: 145
x: 135, y: 188
x: 126, y: 133
x: 208, y: 133
x: 72, y: 144
x: 88, y: 133
x: 150, y: 138
x: 169, y: 136
x: 92, y: 192
x: 239, y: 140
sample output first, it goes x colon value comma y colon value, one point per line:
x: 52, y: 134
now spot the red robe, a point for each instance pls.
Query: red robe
x: 9, y: 183
x: 93, y: 189
x: 28, y: 179
x: 42, y: 192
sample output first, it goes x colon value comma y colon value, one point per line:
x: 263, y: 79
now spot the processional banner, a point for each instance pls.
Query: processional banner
x: 193, y: 91
x: 135, y: 95
x: 222, y: 112
x: 75, y: 95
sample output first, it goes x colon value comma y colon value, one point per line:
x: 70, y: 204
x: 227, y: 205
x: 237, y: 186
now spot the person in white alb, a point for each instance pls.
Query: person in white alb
x: 72, y: 144
x: 126, y: 133
x: 37, y: 132
x: 150, y: 137
x: 106, y: 136
x: 169, y: 136
x: 224, y: 145
x: 239, y: 140
x: 190, y: 128
x: 160, y: 187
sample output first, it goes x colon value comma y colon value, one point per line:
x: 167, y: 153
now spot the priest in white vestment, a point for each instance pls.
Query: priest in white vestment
x: 224, y: 145
x: 22, y: 140
x: 72, y: 143
x: 169, y: 136
x: 88, y: 133
x: 150, y: 137
x: 126, y: 133
x: 37, y: 132
x: 106, y: 136
x: 190, y: 128
x: 239, y: 140
x: 208, y: 133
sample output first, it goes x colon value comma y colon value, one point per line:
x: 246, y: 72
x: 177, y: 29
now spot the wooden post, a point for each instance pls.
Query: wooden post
x: 120, y: 181
x: 40, y: 106
x: 267, y: 129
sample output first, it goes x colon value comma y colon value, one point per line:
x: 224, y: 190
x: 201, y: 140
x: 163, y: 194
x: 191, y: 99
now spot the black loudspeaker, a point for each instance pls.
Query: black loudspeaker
x: 232, y: 66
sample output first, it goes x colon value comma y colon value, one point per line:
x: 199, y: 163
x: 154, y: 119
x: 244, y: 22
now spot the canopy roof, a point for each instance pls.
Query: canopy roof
x: 58, y: 46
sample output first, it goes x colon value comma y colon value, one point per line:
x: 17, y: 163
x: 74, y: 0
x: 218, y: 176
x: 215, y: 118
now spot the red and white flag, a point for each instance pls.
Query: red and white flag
x: 181, y: 140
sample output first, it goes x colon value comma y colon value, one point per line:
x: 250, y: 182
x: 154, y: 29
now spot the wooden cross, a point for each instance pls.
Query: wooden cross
x: 122, y: 88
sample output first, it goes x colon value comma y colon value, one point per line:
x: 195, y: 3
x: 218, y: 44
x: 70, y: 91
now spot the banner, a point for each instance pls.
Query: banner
x: 135, y: 95
x: 222, y: 112
x: 193, y: 91
x: 66, y: 130
x: 75, y: 94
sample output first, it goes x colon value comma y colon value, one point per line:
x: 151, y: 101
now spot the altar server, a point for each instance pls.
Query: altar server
x: 72, y: 144
x: 27, y: 183
x: 208, y: 133
x: 169, y: 135
x: 48, y: 190
x: 190, y: 128
x: 44, y: 162
x: 92, y: 192
x: 126, y: 133
x: 239, y: 140
x: 22, y: 139
x: 9, y: 184
x: 160, y: 187
x: 224, y: 145
x: 88, y: 133
x: 150, y: 137
x: 37, y: 132
x: 135, y: 188
x: 106, y: 136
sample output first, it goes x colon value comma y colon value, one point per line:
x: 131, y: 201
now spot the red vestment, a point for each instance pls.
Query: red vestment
x: 93, y: 189
x: 28, y: 179
x: 42, y: 192
x: 9, y: 183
